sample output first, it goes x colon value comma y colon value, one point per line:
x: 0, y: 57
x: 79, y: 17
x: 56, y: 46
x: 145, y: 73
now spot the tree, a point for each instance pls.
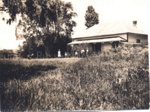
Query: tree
x: 91, y: 17
x: 45, y: 20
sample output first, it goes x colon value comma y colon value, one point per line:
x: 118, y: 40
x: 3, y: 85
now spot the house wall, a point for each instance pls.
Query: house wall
x: 132, y: 38
x: 106, y: 46
x: 123, y: 35
x: 129, y: 38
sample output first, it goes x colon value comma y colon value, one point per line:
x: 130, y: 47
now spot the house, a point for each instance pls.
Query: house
x: 103, y: 37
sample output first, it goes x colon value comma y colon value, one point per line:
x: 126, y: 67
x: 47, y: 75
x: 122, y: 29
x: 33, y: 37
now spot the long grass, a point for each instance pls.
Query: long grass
x: 113, y: 80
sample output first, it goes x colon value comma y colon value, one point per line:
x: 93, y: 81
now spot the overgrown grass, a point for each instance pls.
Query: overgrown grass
x: 114, y: 80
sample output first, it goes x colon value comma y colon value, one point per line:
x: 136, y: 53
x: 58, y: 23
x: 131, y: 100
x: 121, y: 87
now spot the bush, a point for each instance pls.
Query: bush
x: 6, y: 54
x: 113, y: 80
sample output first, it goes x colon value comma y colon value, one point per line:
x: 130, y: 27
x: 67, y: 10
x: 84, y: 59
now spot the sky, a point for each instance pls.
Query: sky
x: 108, y: 10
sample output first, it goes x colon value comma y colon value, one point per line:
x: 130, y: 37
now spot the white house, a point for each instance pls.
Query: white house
x: 105, y: 36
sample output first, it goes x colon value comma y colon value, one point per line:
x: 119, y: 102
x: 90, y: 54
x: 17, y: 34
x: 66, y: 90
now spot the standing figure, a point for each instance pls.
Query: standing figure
x: 66, y: 54
x: 82, y: 53
x: 76, y: 53
x: 59, y: 53
x: 87, y: 52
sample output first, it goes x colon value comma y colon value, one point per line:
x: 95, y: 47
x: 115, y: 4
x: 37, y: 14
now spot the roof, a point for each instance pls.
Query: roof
x: 110, y: 28
x: 97, y: 40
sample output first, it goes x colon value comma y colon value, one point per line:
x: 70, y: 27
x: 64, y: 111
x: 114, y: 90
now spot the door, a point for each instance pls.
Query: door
x: 96, y: 47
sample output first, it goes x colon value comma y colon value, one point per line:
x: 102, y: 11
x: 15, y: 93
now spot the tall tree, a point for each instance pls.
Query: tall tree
x: 45, y: 20
x: 91, y: 17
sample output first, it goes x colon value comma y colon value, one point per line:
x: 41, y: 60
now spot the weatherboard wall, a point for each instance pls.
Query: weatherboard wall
x: 106, y: 46
x: 132, y: 38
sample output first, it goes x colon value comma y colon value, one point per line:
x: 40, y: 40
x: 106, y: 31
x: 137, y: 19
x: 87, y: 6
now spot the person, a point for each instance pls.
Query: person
x: 65, y: 54
x: 32, y: 55
x: 87, y: 51
x: 82, y: 53
x: 76, y: 54
x: 59, y: 53
x: 28, y: 56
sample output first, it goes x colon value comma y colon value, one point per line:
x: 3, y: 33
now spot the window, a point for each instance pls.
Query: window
x: 138, y: 41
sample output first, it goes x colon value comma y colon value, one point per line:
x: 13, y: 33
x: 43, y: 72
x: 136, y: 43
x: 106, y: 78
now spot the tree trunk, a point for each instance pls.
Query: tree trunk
x: 47, y: 52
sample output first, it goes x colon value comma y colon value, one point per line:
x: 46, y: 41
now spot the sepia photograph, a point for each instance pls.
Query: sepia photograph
x: 74, y: 55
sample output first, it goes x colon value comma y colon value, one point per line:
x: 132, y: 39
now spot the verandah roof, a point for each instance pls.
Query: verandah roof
x: 97, y: 40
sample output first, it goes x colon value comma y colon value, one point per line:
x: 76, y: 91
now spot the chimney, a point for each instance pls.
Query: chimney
x: 135, y: 23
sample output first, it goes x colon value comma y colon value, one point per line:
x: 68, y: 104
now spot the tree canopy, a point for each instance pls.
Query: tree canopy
x: 45, y: 20
x: 91, y: 17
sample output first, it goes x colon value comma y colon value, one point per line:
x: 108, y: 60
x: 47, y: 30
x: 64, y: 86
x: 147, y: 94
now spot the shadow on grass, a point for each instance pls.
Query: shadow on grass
x: 16, y: 71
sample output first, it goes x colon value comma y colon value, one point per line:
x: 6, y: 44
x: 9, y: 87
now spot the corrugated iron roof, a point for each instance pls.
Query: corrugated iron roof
x: 110, y: 28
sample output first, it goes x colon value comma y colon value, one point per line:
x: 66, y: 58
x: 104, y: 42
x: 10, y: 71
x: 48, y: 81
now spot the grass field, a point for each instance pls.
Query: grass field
x: 111, y: 80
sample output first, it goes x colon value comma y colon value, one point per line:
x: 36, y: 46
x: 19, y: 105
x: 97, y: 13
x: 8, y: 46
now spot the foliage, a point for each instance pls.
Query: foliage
x: 91, y: 17
x: 6, y: 53
x: 30, y: 48
x: 118, y: 79
x: 38, y: 51
x: 45, y: 20
x: 112, y: 80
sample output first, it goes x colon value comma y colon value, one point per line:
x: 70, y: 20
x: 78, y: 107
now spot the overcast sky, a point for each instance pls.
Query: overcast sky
x: 108, y: 10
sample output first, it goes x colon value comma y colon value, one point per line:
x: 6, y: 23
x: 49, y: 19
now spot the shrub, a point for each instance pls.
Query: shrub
x: 112, y: 80
x: 6, y: 54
